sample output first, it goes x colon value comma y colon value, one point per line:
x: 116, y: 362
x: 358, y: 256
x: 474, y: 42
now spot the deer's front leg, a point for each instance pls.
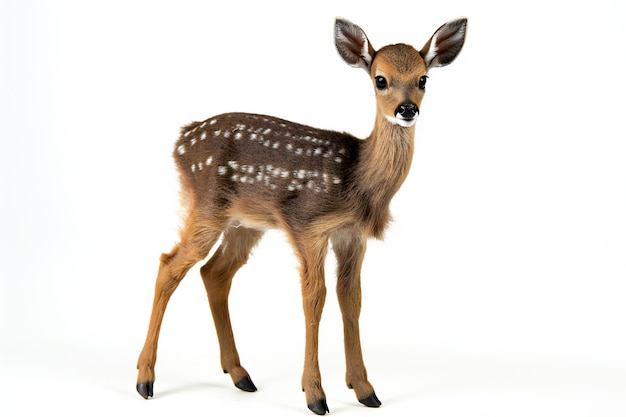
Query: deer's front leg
x: 312, y: 256
x: 350, y: 250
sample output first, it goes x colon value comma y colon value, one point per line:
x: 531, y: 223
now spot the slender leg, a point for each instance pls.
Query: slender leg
x: 312, y: 253
x: 217, y: 275
x: 172, y: 270
x: 350, y: 250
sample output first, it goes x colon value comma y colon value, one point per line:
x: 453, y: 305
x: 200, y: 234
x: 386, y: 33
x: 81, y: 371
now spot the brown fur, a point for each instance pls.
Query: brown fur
x: 244, y: 173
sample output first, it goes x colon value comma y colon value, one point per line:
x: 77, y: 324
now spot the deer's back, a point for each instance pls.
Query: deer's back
x: 256, y: 163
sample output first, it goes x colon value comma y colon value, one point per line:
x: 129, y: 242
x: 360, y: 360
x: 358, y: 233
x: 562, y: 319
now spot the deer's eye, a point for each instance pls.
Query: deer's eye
x: 381, y: 82
x: 422, y: 83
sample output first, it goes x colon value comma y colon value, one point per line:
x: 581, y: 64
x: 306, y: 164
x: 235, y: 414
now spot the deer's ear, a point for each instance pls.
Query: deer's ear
x: 445, y: 44
x: 353, y: 45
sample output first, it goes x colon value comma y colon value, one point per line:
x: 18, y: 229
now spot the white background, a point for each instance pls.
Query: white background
x: 499, y: 289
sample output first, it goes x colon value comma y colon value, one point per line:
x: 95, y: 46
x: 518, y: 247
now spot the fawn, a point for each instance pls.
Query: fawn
x: 242, y: 174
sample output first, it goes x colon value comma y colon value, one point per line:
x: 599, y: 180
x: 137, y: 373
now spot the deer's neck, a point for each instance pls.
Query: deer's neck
x: 384, y: 162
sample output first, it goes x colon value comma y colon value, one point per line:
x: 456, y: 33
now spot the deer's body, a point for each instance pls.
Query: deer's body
x: 268, y: 173
x: 242, y: 174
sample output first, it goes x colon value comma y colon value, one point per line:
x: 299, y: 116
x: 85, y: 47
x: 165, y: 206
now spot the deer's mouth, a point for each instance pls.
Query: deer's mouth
x: 401, y: 121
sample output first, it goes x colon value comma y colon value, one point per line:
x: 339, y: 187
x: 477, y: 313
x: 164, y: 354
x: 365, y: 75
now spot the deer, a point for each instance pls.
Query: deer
x: 242, y: 174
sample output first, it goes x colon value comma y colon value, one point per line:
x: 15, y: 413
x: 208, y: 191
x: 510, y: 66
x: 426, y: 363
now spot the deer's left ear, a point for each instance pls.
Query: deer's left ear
x: 445, y: 44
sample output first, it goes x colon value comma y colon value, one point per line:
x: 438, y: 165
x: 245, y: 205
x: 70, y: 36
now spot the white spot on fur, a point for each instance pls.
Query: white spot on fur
x: 212, y: 122
x: 217, y: 133
x: 325, y: 178
x: 193, y: 141
x: 222, y: 170
x: 203, y: 136
x: 180, y: 149
x: 238, y: 135
x: 209, y: 160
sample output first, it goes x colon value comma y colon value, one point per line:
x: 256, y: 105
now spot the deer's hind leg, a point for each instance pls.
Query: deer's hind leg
x: 217, y: 275
x: 196, y: 242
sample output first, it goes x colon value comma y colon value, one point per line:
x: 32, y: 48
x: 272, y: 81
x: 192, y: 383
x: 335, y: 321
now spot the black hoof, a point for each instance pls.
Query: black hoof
x: 320, y: 407
x: 246, y: 384
x: 371, y: 401
x: 145, y: 389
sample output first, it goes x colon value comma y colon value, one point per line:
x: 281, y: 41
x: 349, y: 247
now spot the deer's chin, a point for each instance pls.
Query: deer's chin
x: 402, y: 122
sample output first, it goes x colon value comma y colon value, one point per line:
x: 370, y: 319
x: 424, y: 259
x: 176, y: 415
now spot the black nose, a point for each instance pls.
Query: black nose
x: 407, y: 110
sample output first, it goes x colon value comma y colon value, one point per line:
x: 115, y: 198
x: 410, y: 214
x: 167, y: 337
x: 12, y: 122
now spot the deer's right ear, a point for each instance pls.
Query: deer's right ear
x: 353, y: 45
